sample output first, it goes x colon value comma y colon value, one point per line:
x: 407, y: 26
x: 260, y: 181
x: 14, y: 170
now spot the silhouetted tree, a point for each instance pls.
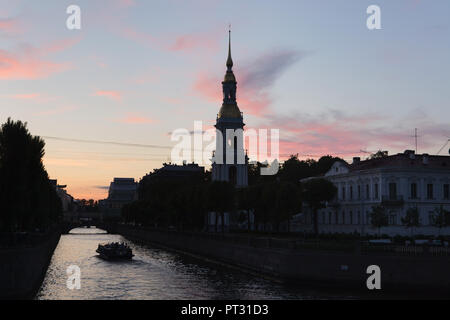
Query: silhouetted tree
x: 379, y: 154
x: 379, y: 217
x: 316, y: 192
x: 288, y: 201
x: 220, y: 199
x: 28, y: 200
x: 411, y: 219
x: 440, y: 218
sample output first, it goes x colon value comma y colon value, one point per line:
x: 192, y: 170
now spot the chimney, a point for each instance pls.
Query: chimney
x: 356, y: 160
x: 425, y: 158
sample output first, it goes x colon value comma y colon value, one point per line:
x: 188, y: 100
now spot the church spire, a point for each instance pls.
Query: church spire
x: 229, y: 60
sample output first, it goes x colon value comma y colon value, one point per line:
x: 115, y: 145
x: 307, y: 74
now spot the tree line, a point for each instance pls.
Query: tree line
x: 439, y: 218
x: 271, y: 200
x: 28, y: 200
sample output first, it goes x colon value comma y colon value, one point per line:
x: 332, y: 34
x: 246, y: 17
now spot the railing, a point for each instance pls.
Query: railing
x: 404, y: 250
x: 304, y: 245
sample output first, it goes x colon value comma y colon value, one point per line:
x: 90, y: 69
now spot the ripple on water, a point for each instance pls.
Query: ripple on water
x: 152, y: 274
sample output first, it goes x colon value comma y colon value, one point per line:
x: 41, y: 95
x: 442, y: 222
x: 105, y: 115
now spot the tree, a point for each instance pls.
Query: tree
x: 411, y: 219
x: 316, y: 192
x: 28, y: 200
x: 221, y: 200
x: 288, y: 201
x: 440, y: 218
x: 379, y: 217
x: 245, y: 203
x: 379, y: 154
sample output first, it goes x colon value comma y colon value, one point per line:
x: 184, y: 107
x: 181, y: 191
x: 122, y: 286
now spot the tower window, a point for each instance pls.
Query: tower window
x: 413, y: 190
x: 430, y: 191
x: 446, y: 191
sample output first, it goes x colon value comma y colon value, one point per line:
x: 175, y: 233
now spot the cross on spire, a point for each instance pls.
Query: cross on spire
x: 229, y: 60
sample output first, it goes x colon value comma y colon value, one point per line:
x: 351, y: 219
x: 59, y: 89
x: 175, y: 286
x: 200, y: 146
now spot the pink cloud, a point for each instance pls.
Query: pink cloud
x: 255, y: 79
x: 192, y: 41
x: 28, y: 62
x: 115, y: 95
x: 132, y: 118
x: 340, y: 134
x: 14, y: 66
x: 187, y: 42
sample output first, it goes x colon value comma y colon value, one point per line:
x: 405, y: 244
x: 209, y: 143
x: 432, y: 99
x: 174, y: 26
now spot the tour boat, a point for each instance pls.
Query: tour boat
x: 115, y: 251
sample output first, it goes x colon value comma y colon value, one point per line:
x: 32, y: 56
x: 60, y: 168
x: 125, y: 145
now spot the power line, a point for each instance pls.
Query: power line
x: 123, y: 144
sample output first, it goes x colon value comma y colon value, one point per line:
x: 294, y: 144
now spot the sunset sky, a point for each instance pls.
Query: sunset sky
x: 139, y: 69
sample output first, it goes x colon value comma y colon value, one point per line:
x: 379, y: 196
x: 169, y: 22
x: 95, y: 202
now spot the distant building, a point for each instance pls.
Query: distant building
x: 66, y: 199
x: 121, y: 192
x: 186, y: 173
x: 398, y: 182
x: 178, y: 172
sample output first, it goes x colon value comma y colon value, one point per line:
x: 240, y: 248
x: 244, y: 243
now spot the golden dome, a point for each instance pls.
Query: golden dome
x: 229, y: 111
x: 229, y: 77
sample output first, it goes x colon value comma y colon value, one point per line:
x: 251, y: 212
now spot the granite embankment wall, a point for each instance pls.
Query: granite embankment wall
x: 23, y: 265
x: 398, y: 272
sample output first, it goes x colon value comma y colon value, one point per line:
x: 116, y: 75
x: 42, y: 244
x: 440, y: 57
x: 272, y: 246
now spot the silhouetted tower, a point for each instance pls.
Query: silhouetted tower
x: 229, y: 160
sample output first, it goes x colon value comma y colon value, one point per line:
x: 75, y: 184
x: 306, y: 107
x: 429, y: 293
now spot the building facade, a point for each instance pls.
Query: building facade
x: 397, y: 183
x: 121, y: 192
x: 230, y: 162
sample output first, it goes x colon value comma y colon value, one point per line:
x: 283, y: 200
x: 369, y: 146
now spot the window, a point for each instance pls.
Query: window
x: 367, y: 192
x: 343, y: 193
x: 413, y: 190
x: 431, y: 217
x: 359, y: 217
x: 376, y: 190
x: 351, y: 217
x: 337, y: 218
x: 446, y: 191
x: 329, y: 217
x: 430, y: 191
x: 343, y: 217
x: 392, y: 191
x: 359, y: 192
x: 351, y: 193
x: 393, y: 219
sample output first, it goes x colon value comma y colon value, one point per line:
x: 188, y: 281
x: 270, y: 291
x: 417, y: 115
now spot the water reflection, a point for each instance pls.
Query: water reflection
x: 152, y: 274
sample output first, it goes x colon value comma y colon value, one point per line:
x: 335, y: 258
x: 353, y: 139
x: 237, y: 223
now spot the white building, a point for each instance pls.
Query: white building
x: 395, y: 182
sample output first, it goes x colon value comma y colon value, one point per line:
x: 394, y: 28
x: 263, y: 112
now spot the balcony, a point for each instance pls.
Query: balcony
x: 392, y: 201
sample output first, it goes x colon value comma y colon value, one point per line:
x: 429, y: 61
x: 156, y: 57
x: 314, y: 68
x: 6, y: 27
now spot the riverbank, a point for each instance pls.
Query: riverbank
x: 404, y: 274
x: 23, y: 266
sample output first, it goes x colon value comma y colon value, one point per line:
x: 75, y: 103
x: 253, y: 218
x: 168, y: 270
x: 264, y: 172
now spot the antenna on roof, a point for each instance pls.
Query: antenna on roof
x: 415, y: 138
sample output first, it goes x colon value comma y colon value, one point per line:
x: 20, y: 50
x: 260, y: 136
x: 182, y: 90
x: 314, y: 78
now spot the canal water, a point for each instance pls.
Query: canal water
x: 152, y: 274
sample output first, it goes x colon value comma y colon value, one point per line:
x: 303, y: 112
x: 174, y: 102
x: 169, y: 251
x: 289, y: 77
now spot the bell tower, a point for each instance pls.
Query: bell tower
x: 230, y: 162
